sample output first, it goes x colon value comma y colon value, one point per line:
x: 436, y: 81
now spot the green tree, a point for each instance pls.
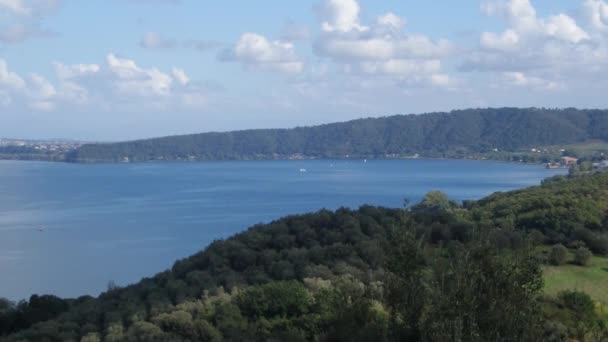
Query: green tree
x: 480, y: 293
x: 582, y: 256
x: 558, y: 255
x: 405, y: 287
x: 435, y: 201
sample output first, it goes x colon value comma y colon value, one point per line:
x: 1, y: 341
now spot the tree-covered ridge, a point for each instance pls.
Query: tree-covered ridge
x: 559, y: 211
x: 438, y: 271
x: 455, y: 134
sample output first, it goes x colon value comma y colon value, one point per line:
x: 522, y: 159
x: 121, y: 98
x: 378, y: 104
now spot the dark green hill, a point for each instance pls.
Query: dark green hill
x: 453, y: 134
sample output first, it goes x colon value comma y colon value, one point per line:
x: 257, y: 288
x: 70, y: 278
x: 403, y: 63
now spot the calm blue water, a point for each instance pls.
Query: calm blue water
x: 121, y: 222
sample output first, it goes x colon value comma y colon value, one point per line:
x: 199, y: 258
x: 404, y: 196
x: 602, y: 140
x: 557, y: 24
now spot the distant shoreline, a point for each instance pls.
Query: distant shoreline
x: 172, y: 161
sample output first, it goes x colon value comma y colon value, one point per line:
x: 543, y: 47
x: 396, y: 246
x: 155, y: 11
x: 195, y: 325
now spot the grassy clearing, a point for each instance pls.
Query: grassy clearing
x: 592, y: 279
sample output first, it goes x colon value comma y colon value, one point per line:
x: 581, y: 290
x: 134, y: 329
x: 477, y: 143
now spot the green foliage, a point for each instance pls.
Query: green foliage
x: 573, y: 314
x: 15, y: 317
x: 582, y: 256
x: 562, y: 211
x: 472, y: 292
x: 436, y: 201
x: 459, y: 134
x: 558, y: 255
x: 278, y: 299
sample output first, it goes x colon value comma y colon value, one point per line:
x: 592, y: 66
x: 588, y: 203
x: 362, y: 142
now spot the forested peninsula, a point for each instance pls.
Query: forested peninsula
x: 437, y: 270
x: 493, y: 133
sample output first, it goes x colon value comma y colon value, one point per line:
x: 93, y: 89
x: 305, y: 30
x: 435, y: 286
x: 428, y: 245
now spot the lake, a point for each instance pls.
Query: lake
x: 70, y: 229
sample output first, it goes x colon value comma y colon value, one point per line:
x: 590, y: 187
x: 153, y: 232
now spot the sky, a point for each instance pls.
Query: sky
x: 107, y: 70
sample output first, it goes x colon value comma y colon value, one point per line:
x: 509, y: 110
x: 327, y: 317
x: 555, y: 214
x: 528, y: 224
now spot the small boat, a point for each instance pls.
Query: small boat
x: 302, y: 170
x: 41, y: 228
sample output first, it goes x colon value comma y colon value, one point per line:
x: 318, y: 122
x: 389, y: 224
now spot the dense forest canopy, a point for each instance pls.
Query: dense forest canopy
x: 435, y: 271
x: 453, y: 134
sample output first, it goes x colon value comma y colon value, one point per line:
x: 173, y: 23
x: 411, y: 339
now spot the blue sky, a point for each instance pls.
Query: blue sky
x: 124, y: 69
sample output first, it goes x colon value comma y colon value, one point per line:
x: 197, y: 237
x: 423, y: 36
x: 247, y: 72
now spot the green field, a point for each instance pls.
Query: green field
x: 592, y: 279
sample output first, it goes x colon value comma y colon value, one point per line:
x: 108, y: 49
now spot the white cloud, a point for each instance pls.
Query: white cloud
x: 382, y: 48
x: 9, y: 79
x: 35, y: 91
x: 524, y: 22
x: 130, y: 79
x: 66, y: 72
x: 153, y: 40
x: 256, y: 51
x: 340, y: 15
x: 391, y: 20
x: 118, y: 83
x: 41, y: 88
x: 565, y: 28
x: 540, y: 52
x: 402, y: 67
x: 505, y: 41
x: 524, y: 80
x: 180, y: 76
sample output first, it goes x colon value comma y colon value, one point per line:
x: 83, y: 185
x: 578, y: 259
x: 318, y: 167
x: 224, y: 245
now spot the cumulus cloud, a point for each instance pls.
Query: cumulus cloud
x: 391, y: 20
x: 257, y: 52
x: 129, y: 79
x: 340, y: 15
x: 68, y: 72
x: 505, y: 41
x: 116, y: 82
x: 539, y: 52
x: 382, y: 47
x: 525, y: 23
x: 9, y: 79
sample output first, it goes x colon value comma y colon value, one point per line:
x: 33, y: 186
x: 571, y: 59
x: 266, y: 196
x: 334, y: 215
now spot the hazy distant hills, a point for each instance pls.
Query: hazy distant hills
x: 432, y: 135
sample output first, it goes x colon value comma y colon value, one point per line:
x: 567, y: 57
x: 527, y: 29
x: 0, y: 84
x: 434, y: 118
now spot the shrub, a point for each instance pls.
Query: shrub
x: 579, y: 302
x: 558, y: 255
x: 582, y: 256
x: 598, y: 243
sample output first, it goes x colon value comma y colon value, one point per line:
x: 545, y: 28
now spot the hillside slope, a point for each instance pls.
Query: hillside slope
x: 325, y: 246
x: 431, y: 135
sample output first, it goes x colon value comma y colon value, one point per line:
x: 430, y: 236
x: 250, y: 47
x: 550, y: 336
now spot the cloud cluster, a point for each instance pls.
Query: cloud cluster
x: 255, y: 51
x: 351, y: 59
x: 118, y: 83
x: 551, y: 53
x: 380, y: 48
